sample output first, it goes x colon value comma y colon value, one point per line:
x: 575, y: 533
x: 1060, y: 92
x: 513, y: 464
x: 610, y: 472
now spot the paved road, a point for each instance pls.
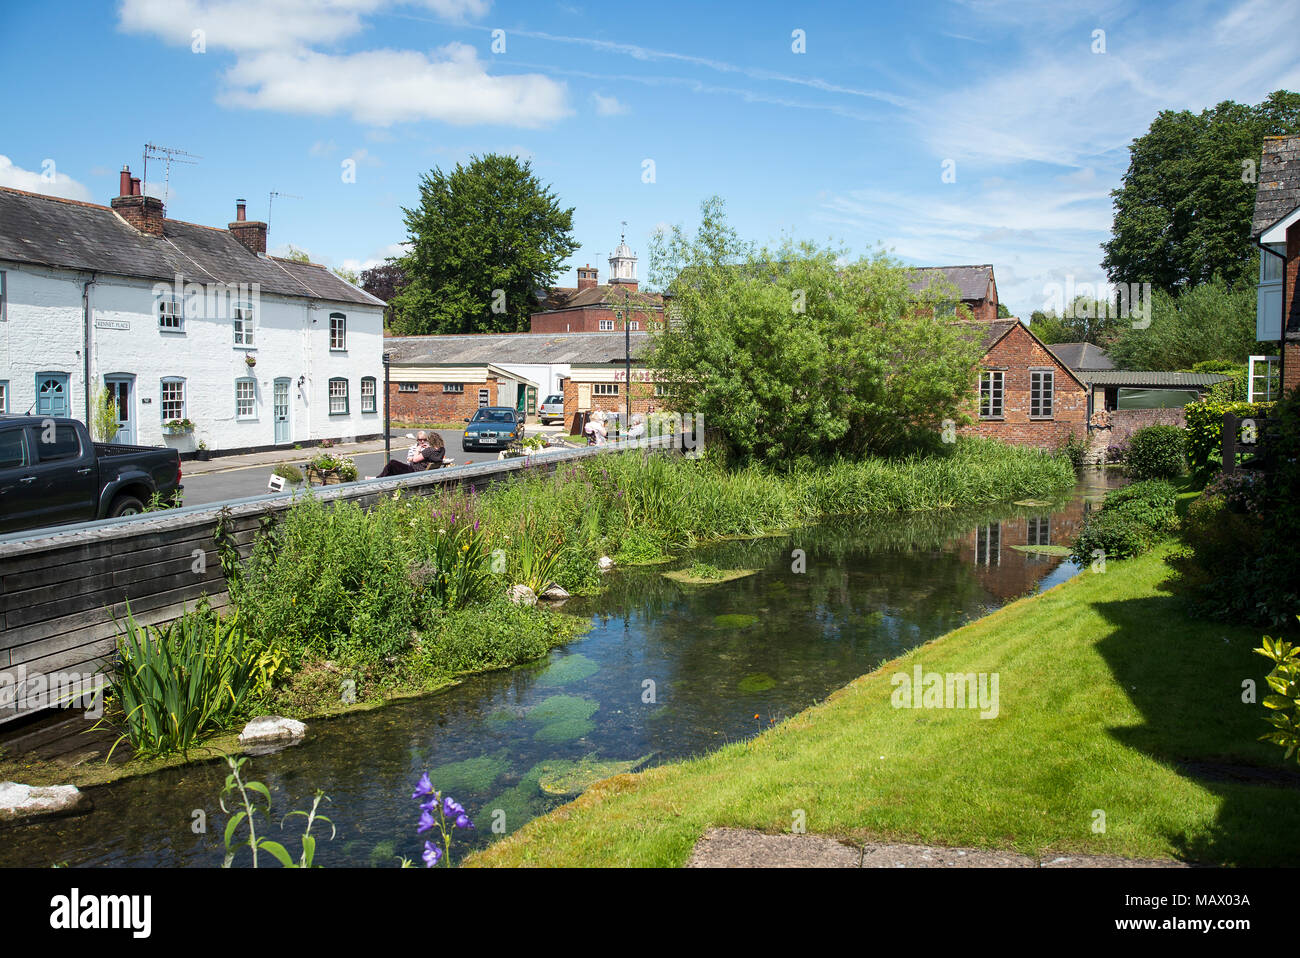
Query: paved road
x: 215, y: 487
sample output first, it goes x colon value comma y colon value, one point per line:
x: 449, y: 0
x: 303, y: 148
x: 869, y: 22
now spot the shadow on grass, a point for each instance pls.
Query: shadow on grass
x: 1186, y: 675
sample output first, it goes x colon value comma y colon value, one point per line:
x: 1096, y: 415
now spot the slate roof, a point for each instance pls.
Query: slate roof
x: 1082, y: 355
x: 610, y: 295
x: 478, y: 349
x: 50, y: 231
x: 1278, y: 190
x: 989, y: 332
x: 1126, y: 377
x: 972, y: 282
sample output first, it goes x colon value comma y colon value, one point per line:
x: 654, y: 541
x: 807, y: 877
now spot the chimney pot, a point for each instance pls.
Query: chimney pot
x: 135, y: 186
x: 239, y: 211
x: 124, y: 181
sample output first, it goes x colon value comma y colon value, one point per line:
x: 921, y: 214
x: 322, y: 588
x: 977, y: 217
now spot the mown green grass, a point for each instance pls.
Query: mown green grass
x: 1108, y: 689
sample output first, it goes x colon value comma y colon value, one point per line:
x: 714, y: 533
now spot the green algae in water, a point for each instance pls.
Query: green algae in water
x: 734, y: 620
x: 571, y: 668
x: 559, y: 777
x: 758, y: 682
x: 474, y: 775
x: 565, y: 730
x: 501, y: 719
x: 562, y: 708
x: 384, y: 853
x: 518, y: 804
x: 1044, y: 550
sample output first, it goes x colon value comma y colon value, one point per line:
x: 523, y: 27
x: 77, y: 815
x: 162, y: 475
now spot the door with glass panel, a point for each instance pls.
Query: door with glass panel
x: 121, y: 391
x: 280, y: 410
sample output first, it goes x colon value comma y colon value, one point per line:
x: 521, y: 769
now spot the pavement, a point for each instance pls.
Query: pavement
x: 743, y: 848
x: 224, y: 478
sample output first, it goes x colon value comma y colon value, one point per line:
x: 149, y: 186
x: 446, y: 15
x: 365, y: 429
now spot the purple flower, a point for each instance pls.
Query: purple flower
x: 426, y: 822
x: 452, y: 808
x: 423, y: 787
x: 462, y: 821
x: 432, y: 854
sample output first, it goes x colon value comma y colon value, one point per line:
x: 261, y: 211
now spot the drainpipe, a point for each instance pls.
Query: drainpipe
x: 85, y: 341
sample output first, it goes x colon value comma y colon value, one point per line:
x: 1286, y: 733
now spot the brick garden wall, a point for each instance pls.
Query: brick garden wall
x: 1014, y: 355
x: 430, y: 404
x: 643, y: 399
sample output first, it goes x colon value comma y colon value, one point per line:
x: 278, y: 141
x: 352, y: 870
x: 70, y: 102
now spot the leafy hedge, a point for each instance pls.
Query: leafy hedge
x: 1157, y: 452
x: 1205, y: 433
x: 1131, y: 521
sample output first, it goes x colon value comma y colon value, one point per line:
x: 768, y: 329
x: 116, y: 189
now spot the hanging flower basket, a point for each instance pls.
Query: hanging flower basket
x: 250, y: 360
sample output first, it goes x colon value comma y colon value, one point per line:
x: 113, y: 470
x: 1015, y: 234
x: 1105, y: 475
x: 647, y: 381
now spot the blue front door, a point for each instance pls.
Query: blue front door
x: 280, y: 410
x: 52, y: 394
x: 121, y: 390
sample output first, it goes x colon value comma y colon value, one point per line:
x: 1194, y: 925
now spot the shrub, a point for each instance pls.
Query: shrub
x: 1074, y: 449
x: 289, y: 472
x: 1131, y: 521
x: 177, y: 682
x: 1232, y: 389
x: 1284, y: 703
x: 493, y: 635
x: 1204, y: 433
x: 1156, y: 452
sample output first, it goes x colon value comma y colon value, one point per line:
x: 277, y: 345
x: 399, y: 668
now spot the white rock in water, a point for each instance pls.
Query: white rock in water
x: 606, y: 563
x: 19, y: 802
x: 268, y: 729
x: 522, y: 595
x: 554, y: 591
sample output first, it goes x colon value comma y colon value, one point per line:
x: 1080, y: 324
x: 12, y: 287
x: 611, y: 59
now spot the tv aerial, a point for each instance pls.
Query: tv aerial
x: 168, y: 156
x: 270, y: 200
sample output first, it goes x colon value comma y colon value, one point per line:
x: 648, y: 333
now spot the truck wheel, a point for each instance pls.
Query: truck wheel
x: 125, y: 506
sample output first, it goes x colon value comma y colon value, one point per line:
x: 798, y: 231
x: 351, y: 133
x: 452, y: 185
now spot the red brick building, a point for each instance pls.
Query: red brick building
x: 973, y: 286
x: 600, y: 308
x: 1025, y: 395
x: 1276, y: 229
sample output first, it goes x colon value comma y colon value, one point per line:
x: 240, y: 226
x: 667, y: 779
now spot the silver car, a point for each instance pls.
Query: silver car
x: 552, y: 410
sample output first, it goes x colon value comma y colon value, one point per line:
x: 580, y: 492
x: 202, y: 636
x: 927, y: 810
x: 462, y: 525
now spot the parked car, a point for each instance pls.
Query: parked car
x: 53, y: 473
x: 492, y: 427
x: 552, y: 410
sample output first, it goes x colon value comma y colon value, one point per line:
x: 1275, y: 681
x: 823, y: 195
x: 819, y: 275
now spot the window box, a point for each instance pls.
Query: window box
x: 177, y: 427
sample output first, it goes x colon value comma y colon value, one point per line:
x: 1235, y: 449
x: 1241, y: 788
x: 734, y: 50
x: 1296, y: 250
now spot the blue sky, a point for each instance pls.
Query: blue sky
x: 847, y: 141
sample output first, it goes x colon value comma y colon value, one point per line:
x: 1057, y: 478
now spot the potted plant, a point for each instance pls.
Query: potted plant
x: 202, y: 453
x: 177, y: 427
x: 250, y: 360
x: 327, y: 470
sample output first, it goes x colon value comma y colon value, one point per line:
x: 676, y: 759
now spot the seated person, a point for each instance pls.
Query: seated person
x: 638, y: 427
x: 428, y: 452
x: 595, y: 429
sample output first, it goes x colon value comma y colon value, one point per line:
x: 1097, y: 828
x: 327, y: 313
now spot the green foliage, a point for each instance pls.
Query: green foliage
x: 254, y: 799
x: 1085, y: 320
x: 1205, y: 433
x: 297, y: 255
x: 1211, y: 322
x: 179, y: 681
x: 791, y: 351
x: 1131, y: 521
x: 1234, y: 388
x: 492, y: 635
x: 1074, y: 448
x: 491, y: 225
x: 1157, y: 452
x: 1182, y: 215
x: 327, y: 463
x: 289, y: 472
x: 104, y: 418
x: 1284, y: 704
x: 703, y: 570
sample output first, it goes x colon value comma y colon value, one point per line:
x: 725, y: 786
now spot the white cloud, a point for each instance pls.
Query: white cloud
x: 323, y: 148
x: 608, y: 105
x: 48, y: 181
x: 248, y: 25
x: 382, y: 87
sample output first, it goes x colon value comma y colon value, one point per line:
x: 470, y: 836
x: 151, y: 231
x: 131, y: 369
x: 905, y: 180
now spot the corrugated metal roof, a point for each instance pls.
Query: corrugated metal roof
x: 481, y: 348
x: 49, y: 231
x: 1126, y: 377
x: 1278, y: 190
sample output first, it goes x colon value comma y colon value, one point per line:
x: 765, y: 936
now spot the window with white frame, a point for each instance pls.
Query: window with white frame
x: 245, y: 399
x: 661, y: 390
x: 634, y: 324
x: 1041, y: 386
x: 453, y: 387
x: 604, y: 389
x: 173, y: 399
x: 338, y: 331
x: 1038, y: 531
x: 408, y: 387
x: 368, y: 394
x: 991, y: 383
x: 338, y: 397
x: 988, y: 544
x: 4, y: 395
x: 171, y: 314
x: 4, y: 298
x: 1263, y: 379
x: 606, y: 325
x: 243, y: 316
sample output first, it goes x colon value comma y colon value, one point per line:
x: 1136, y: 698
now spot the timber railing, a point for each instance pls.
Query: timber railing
x: 65, y: 589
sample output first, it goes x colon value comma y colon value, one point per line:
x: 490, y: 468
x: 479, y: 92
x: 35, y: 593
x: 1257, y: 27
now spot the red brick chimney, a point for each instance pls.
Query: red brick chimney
x: 145, y: 213
x: 250, y: 233
x: 586, y: 277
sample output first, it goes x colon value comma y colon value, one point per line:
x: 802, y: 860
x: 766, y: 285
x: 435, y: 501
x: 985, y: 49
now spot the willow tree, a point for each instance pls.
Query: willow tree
x: 795, y: 351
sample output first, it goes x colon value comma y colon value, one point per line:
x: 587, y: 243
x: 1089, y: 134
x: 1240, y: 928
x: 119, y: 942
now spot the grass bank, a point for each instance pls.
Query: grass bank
x: 1113, y: 699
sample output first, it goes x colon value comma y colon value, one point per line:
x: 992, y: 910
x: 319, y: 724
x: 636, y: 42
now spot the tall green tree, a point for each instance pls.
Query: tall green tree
x: 1183, y: 212
x: 1085, y: 321
x: 484, y: 240
x: 792, y: 351
x: 1209, y: 322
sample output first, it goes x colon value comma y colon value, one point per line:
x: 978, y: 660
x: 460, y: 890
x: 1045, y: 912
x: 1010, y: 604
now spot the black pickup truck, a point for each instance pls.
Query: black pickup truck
x: 52, y: 473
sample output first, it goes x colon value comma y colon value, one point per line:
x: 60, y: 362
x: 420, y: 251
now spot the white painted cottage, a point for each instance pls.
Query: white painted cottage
x: 183, y: 324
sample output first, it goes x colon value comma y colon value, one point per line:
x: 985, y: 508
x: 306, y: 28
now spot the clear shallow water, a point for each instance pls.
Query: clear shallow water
x: 726, y: 661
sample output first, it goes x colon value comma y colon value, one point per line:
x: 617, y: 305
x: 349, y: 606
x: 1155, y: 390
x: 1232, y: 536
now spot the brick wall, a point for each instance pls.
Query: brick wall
x: 1291, y: 310
x: 430, y: 404
x: 587, y: 320
x: 643, y: 399
x: 1007, y: 572
x: 1014, y: 354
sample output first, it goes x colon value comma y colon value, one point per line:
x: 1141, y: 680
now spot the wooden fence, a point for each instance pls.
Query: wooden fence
x: 63, y: 591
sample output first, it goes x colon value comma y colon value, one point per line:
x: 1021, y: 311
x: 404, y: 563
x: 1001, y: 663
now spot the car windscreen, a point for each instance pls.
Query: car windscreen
x: 494, y: 415
x: 552, y: 400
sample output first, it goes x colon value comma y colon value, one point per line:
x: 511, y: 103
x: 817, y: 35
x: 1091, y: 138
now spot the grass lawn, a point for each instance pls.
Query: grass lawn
x: 1112, y: 699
